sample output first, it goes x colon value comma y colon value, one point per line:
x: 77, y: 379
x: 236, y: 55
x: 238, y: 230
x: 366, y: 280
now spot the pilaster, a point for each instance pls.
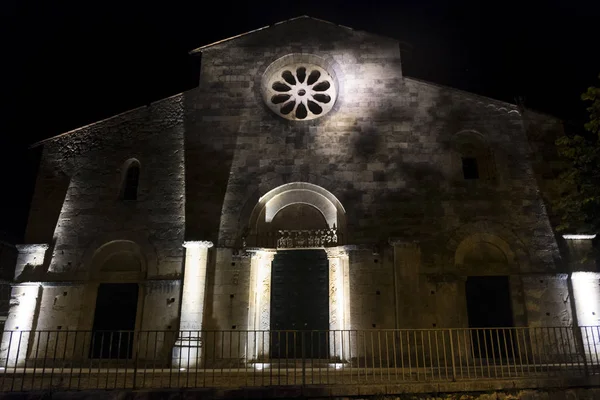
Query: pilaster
x: 407, y: 265
x: 259, y: 312
x: 339, y: 302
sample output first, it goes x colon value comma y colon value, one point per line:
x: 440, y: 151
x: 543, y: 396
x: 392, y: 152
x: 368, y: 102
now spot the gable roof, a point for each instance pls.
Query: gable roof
x: 287, y: 21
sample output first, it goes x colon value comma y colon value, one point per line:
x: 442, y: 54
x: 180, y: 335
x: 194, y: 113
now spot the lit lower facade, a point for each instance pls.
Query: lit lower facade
x: 339, y: 196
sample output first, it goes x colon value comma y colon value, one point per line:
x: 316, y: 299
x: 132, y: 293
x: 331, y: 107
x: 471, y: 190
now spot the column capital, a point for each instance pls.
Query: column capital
x: 197, y: 244
x: 336, y: 252
x: 578, y: 236
x: 32, y: 248
x: 259, y: 251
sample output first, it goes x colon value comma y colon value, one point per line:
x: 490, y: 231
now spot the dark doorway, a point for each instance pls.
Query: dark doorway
x: 300, y: 304
x: 114, y: 320
x: 489, y: 306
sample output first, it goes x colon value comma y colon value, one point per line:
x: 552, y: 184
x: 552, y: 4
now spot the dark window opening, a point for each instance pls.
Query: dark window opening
x: 489, y: 306
x: 114, y: 321
x: 132, y: 178
x: 470, y: 168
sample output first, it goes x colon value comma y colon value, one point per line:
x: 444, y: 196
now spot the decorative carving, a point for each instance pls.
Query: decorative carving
x: 295, y: 239
x: 333, y: 293
x: 301, y: 91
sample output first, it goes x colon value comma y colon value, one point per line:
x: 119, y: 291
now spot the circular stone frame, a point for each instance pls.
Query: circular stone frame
x: 299, y: 87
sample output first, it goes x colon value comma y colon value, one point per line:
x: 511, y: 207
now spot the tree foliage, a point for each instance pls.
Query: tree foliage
x: 579, y: 184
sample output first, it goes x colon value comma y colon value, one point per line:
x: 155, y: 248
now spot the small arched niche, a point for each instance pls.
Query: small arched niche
x: 297, y: 206
x: 130, y: 179
x: 473, y: 157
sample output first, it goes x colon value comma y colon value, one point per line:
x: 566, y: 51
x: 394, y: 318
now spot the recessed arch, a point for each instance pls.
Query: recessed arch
x: 303, y: 196
x: 118, y: 260
x: 297, y: 193
x: 485, y: 249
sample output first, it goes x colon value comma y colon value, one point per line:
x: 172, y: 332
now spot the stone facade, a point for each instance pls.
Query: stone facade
x: 385, y: 165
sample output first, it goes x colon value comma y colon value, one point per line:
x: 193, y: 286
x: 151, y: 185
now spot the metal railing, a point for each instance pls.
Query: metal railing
x: 75, y: 360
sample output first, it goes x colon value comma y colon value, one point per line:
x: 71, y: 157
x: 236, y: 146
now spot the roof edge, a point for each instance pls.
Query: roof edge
x: 206, y: 46
x: 520, y: 109
x: 513, y: 107
x: 43, y: 141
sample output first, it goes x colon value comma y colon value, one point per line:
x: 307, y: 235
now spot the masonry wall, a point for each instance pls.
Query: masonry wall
x: 386, y: 151
x: 76, y: 209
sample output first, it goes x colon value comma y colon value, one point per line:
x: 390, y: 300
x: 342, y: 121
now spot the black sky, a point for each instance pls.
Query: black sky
x: 72, y: 63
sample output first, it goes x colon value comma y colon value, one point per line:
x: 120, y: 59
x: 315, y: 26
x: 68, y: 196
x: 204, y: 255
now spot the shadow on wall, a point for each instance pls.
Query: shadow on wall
x: 209, y: 152
x: 404, y: 182
x: 420, y: 191
x: 40, y: 272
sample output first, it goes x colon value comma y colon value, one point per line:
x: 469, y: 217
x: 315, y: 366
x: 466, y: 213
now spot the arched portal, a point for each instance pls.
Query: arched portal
x: 299, y: 277
x: 491, y: 292
x: 117, y: 269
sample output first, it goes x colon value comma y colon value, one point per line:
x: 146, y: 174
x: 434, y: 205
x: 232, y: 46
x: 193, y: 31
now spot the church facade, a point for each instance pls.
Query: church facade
x: 305, y: 184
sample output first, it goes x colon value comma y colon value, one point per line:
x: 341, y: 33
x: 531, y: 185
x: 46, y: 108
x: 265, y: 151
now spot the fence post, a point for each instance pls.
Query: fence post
x: 452, y: 356
x: 303, y: 359
x: 136, y: 338
x: 580, y: 337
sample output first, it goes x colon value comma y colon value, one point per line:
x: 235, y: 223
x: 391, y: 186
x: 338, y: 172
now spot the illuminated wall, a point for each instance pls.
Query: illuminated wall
x: 386, y: 151
x: 586, y: 288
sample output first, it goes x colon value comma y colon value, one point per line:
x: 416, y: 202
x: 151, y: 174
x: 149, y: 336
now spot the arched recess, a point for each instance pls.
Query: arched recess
x: 473, y: 157
x: 481, y: 231
x: 492, y: 281
x: 297, y: 195
x: 116, y: 267
x: 118, y: 261
x: 485, y: 254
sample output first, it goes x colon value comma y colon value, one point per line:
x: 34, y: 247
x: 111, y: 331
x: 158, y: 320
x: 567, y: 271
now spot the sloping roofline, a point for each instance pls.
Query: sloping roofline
x: 197, y: 50
x: 206, y: 46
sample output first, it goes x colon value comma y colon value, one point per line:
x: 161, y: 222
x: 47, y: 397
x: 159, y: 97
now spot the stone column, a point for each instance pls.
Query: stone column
x: 259, y: 311
x: 188, y: 347
x: 407, y: 263
x: 339, y: 303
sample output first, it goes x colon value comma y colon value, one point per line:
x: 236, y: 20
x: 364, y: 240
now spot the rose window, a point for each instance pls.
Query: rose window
x: 300, y: 92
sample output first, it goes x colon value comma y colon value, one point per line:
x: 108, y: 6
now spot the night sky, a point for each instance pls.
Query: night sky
x: 68, y: 64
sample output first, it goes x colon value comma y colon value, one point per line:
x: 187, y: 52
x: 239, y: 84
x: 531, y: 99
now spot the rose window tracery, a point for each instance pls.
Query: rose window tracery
x: 300, y: 92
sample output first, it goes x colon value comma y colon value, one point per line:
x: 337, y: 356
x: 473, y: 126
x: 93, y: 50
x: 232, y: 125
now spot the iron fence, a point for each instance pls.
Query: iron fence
x: 74, y: 360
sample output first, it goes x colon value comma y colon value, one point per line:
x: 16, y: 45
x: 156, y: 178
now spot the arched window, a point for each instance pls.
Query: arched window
x: 474, y: 157
x: 130, y: 180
